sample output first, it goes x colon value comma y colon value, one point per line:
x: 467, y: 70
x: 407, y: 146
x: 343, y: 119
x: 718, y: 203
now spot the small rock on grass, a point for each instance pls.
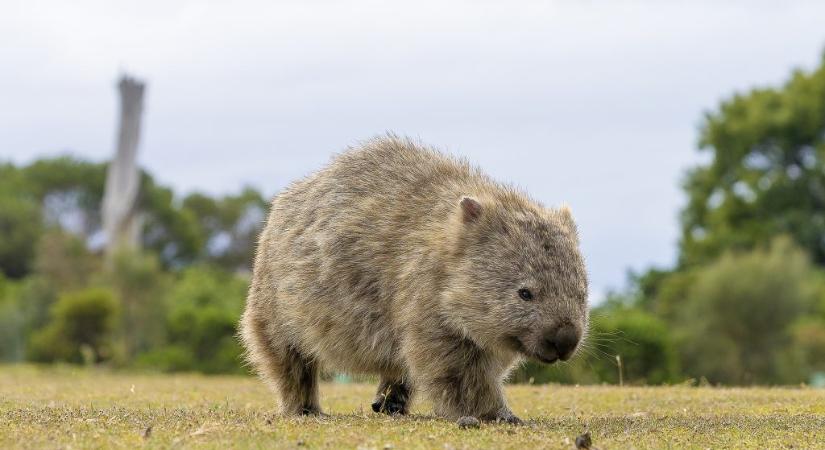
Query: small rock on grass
x: 584, y: 441
x: 468, y: 422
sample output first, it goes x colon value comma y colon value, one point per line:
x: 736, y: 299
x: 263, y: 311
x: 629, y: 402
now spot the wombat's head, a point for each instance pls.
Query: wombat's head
x: 517, y: 279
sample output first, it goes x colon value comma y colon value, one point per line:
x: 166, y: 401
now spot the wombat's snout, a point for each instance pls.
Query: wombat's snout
x: 559, y: 343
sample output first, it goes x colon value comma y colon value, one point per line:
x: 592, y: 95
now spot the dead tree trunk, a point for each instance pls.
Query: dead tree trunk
x: 121, y: 221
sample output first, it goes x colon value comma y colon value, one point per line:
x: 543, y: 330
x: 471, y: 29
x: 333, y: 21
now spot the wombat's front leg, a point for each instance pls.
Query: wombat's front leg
x: 464, y: 394
x: 461, y: 381
x: 392, y: 397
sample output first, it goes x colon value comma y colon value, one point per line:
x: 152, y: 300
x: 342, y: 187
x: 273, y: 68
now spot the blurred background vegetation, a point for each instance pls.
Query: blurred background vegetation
x: 744, y: 304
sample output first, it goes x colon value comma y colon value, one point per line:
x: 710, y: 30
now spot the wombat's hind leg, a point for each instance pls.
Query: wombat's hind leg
x: 294, y: 377
x: 298, y: 384
x: 392, y: 398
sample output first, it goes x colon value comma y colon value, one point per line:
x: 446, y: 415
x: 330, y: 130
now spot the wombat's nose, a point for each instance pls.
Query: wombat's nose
x: 563, y: 340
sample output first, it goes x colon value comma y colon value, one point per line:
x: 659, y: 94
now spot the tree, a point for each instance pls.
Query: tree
x: 767, y: 176
x: 169, y: 230
x: 230, y: 226
x: 19, y: 223
x: 121, y: 220
x: 19, y: 228
x: 67, y: 193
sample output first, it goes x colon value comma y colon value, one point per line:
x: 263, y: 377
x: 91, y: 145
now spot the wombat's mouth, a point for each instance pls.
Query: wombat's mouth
x: 546, y: 360
x: 516, y: 345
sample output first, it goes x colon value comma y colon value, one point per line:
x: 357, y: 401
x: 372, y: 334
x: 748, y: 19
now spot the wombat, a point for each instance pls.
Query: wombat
x: 400, y: 261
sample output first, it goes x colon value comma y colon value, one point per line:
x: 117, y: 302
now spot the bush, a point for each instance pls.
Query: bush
x: 11, y: 323
x: 641, y: 340
x: 140, y: 284
x: 807, y: 351
x: 80, y: 330
x: 204, y: 306
x: 735, y: 325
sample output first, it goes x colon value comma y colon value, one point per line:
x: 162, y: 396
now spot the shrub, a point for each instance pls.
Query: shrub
x: 641, y: 340
x: 735, y: 326
x: 140, y: 284
x: 204, y: 306
x: 806, y: 355
x: 11, y: 323
x: 80, y: 330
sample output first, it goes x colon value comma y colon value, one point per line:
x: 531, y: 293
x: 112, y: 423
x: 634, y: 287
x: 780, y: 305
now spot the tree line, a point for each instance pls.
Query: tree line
x: 172, y: 305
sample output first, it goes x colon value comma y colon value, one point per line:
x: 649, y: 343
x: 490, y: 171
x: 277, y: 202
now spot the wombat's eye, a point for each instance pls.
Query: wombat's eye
x: 525, y: 294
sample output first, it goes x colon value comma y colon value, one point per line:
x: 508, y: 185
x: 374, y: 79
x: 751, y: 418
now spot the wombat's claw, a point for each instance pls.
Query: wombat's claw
x: 388, y: 407
x: 511, y: 419
x: 503, y: 417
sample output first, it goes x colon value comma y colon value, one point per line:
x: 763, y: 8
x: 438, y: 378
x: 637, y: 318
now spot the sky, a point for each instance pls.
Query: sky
x: 596, y: 104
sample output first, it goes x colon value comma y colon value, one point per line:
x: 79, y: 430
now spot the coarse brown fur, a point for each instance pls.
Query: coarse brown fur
x: 400, y: 261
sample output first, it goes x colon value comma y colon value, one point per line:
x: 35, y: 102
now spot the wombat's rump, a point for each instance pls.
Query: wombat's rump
x: 400, y: 261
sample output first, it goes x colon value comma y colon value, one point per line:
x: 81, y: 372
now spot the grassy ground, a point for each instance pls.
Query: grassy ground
x: 70, y: 408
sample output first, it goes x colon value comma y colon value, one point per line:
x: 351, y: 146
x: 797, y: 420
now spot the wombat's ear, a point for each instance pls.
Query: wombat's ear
x: 470, y: 209
x: 566, y: 218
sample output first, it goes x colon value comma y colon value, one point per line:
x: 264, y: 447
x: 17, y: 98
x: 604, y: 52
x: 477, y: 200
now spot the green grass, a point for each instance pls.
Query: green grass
x: 75, y: 408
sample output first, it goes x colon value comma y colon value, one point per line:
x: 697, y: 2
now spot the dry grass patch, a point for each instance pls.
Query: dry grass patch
x: 75, y: 408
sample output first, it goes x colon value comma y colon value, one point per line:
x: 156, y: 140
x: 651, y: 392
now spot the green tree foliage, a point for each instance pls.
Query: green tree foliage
x: 204, y: 306
x: 65, y: 260
x: 140, y: 284
x: 34, y: 299
x: 640, y: 339
x: 19, y: 224
x: 50, y: 242
x: 81, y: 329
x: 767, y: 176
x: 736, y: 322
x: 172, y: 232
x: 743, y: 310
x: 230, y: 225
x: 12, y: 344
x: 65, y: 194
x: 806, y: 353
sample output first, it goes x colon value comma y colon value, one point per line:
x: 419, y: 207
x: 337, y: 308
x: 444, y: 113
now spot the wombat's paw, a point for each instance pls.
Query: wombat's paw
x: 511, y: 419
x: 503, y: 416
x: 306, y: 411
x: 388, y: 405
x: 392, y: 398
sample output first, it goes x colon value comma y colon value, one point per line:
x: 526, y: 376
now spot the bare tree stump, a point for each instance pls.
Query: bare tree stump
x: 121, y: 221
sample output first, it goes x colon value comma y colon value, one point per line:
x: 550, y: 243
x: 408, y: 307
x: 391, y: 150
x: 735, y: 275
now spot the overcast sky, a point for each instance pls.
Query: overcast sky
x: 593, y: 103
